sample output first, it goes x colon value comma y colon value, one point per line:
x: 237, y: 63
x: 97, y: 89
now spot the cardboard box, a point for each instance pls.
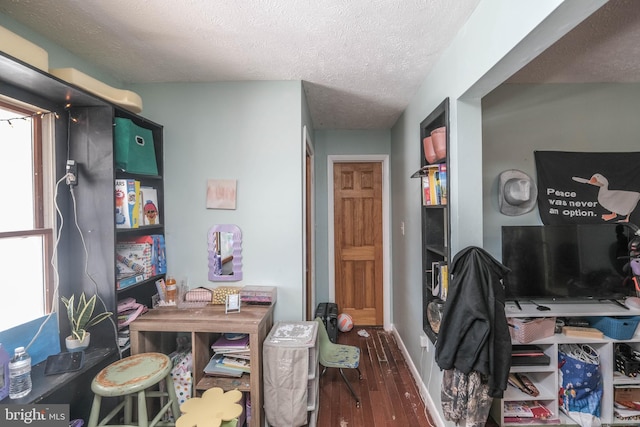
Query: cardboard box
x: 626, y: 394
x: 134, y: 258
x: 144, y: 254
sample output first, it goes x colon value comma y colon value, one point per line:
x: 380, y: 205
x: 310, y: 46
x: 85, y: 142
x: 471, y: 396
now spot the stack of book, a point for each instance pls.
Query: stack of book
x: 527, y: 412
x: 434, y: 185
x: 626, y: 402
x: 136, y: 205
x: 231, y: 357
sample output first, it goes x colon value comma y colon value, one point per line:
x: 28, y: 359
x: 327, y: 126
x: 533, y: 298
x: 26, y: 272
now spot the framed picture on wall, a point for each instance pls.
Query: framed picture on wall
x: 221, y: 194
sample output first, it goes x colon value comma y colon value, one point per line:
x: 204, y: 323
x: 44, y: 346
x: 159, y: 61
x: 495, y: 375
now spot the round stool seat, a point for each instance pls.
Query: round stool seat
x: 131, y: 374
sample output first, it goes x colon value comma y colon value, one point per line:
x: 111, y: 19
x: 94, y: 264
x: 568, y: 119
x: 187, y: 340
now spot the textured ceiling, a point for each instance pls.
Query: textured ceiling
x: 605, y: 47
x: 360, y: 60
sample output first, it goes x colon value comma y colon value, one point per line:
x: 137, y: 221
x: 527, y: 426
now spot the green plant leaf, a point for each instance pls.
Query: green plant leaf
x: 80, y: 316
x: 99, y: 318
x: 85, y: 311
x: 80, y: 334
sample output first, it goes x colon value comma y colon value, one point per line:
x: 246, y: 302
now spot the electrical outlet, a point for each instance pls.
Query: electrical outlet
x: 424, y: 341
x: 72, y: 173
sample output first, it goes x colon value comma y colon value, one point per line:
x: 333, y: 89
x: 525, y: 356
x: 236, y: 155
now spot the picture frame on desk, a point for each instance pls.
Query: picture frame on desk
x: 232, y: 304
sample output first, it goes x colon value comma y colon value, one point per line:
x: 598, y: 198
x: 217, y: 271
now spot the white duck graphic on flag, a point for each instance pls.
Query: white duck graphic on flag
x: 617, y: 202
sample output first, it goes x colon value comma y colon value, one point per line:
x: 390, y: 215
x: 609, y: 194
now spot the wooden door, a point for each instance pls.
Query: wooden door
x: 357, y: 191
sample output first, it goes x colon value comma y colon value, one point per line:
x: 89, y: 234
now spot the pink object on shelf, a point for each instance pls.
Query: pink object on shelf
x: 439, y: 137
x: 429, y: 151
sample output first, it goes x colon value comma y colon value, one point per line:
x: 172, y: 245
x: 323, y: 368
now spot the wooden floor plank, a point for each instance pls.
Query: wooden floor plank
x: 407, y: 388
x: 388, y: 394
x: 393, y: 385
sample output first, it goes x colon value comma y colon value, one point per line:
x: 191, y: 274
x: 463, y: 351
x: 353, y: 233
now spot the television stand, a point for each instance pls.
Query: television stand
x: 615, y: 301
x: 546, y: 378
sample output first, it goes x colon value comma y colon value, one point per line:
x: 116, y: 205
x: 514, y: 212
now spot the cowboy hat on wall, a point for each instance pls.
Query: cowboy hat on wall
x: 517, y: 193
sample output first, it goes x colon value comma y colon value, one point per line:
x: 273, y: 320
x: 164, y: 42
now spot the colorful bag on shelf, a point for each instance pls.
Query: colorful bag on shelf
x: 581, y: 383
x: 181, y: 375
x: 134, y: 148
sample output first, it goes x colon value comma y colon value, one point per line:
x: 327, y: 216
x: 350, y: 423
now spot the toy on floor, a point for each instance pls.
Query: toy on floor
x: 345, y: 322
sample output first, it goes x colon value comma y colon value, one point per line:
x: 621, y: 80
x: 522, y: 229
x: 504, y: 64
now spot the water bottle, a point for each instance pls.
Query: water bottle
x: 4, y: 372
x: 20, y: 374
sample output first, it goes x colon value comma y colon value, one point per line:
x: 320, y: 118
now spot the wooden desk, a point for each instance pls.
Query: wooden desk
x: 149, y: 333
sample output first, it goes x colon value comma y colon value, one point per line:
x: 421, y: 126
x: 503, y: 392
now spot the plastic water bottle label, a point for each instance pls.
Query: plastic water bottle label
x: 20, y: 374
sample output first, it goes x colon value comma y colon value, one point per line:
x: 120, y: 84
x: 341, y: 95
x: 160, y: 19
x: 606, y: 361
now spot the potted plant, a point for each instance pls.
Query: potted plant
x: 80, y: 319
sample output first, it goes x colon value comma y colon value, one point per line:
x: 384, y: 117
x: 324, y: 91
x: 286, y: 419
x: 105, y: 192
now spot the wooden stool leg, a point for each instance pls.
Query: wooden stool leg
x: 128, y: 409
x: 171, y: 392
x: 95, y: 411
x: 143, y: 417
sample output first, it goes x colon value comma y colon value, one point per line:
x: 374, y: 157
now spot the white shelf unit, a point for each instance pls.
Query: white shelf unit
x: 546, y: 377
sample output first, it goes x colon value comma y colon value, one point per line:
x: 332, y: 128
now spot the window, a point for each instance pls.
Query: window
x: 26, y: 218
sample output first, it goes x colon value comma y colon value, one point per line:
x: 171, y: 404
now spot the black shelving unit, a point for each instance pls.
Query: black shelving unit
x: 435, y: 218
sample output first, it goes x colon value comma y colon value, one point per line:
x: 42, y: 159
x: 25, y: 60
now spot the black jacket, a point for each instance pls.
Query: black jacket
x: 474, y: 334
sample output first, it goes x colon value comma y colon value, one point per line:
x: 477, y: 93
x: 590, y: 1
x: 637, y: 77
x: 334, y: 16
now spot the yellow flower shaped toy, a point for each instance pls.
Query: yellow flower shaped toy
x: 211, y: 409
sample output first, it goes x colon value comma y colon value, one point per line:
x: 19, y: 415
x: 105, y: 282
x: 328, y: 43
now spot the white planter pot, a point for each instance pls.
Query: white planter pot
x: 77, y: 345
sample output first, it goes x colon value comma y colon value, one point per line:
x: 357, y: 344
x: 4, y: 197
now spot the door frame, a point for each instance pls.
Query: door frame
x: 386, y: 242
x: 309, y: 241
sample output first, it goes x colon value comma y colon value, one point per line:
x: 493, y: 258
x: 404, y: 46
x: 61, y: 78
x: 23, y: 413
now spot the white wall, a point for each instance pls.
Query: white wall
x: 499, y: 38
x: 251, y: 132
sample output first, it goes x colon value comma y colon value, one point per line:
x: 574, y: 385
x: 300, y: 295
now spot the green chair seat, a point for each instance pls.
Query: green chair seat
x: 339, y: 356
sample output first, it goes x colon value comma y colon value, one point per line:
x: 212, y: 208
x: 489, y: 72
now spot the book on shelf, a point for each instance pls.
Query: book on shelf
x: 236, y: 362
x: 149, y: 213
x: 224, y: 344
x: 535, y: 421
x: 442, y: 175
x: 426, y: 191
x: 239, y: 354
x: 523, y: 383
x: 129, y: 280
x: 433, y: 186
x: 127, y: 193
x: 626, y: 401
x: 216, y: 367
x: 443, y: 280
x: 527, y: 409
x: 434, y: 192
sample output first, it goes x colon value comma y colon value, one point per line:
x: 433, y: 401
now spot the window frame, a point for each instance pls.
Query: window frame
x: 43, y: 223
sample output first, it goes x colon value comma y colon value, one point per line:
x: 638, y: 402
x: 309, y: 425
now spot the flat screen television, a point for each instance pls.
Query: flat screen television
x: 566, y: 262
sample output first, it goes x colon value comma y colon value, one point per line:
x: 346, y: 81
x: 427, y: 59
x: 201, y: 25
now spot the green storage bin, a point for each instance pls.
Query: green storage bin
x: 135, y: 151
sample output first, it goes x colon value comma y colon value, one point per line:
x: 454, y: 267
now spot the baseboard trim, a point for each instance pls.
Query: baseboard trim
x: 424, y: 394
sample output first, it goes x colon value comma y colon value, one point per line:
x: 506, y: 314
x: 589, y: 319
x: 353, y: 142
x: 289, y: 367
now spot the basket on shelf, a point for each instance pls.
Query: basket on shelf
x: 627, y: 360
x: 527, y: 329
x: 618, y: 328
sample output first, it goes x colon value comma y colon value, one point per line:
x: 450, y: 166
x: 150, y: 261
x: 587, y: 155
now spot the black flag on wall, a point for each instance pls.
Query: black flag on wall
x: 588, y: 188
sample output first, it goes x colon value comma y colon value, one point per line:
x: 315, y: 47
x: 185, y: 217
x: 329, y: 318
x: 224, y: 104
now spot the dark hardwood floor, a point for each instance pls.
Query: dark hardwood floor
x: 388, y: 393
